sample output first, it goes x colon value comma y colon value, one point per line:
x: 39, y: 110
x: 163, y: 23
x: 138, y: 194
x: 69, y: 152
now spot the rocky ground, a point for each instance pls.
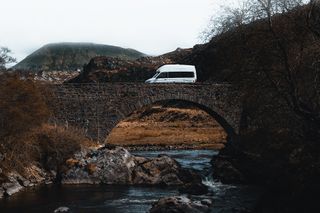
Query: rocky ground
x: 108, y: 165
x: 109, y: 69
x: 50, y: 77
x: 14, y: 182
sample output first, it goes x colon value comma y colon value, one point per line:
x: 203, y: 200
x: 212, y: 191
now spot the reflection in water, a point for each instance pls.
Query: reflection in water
x: 102, y: 198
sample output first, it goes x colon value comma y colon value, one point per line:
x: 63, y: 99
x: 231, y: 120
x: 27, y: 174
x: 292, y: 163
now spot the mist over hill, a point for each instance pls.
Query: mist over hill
x: 71, y: 56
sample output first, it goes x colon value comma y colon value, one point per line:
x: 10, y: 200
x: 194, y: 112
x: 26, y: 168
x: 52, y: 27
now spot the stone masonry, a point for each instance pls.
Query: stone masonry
x: 97, y: 108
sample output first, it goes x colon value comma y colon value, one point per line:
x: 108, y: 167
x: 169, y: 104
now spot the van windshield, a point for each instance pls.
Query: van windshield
x: 157, y: 73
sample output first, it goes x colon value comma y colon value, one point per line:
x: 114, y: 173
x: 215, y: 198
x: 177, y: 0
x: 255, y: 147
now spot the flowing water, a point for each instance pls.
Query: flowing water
x: 133, y: 199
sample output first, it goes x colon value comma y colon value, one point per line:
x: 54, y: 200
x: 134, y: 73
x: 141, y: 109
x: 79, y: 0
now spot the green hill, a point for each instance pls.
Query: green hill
x: 71, y: 56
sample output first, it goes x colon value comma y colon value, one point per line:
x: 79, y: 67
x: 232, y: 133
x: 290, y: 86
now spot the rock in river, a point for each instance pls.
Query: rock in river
x: 118, y: 166
x: 12, y: 188
x: 180, y: 204
x: 226, y: 172
x: 62, y: 209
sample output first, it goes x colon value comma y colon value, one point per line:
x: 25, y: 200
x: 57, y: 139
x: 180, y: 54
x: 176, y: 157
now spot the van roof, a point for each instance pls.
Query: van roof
x: 177, y: 68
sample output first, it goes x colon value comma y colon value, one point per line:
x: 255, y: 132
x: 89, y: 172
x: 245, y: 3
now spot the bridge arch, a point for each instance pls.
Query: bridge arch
x: 211, y: 110
x: 97, y: 108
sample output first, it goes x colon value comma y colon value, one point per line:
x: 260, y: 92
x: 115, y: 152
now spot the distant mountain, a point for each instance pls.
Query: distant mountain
x: 71, y: 56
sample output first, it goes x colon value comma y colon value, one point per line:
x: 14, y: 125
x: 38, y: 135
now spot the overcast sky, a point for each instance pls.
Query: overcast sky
x: 150, y: 26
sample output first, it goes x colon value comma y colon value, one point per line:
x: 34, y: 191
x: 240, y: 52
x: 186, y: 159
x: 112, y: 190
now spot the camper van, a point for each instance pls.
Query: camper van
x: 174, y: 73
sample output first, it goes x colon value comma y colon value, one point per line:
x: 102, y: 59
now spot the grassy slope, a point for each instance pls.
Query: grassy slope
x: 71, y: 56
x: 159, y: 125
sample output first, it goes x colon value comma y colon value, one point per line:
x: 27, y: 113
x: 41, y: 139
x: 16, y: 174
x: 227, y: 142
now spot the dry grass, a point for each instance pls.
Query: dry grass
x: 169, y: 126
x: 24, y: 138
x: 46, y: 146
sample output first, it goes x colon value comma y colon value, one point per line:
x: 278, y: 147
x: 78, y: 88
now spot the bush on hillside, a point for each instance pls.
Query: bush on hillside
x: 25, y: 138
x: 22, y: 106
x: 46, y: 146
x: 275, y: 62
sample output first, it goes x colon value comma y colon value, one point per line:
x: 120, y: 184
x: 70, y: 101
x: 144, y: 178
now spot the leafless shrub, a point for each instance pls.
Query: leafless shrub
x: 5, y: 57
x: 248, y: 11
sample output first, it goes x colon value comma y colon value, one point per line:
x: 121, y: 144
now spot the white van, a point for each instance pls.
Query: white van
x: 174, y: 73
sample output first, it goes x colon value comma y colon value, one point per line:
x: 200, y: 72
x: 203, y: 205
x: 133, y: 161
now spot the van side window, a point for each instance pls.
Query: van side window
x: 163, y: 75
x: 181, y: 75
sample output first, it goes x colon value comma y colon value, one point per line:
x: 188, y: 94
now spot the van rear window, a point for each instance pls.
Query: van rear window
x: 181, y: 74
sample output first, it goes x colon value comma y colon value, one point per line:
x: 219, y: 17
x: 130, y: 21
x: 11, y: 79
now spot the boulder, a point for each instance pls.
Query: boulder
x: 62, y: 209
x: 180, y: 204
x: 102, y: 166
x: 226, y: 172
x: 193, y: 183
x: 161, y: 170
x: 13, y: 182
x: 12, y: 187
x: 118, y: 166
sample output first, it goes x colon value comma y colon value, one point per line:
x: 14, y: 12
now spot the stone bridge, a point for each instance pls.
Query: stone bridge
x: 97, y: 108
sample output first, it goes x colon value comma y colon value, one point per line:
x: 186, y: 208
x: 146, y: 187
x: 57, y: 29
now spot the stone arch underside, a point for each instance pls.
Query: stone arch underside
x: 98, y: 108
x: 211, y: 110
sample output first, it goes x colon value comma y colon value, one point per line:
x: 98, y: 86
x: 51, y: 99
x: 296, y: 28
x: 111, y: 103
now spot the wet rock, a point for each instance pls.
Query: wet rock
x: 180, y: 204
x: 226, y: 172
x: 206, y: 202
x: 1, y: 192
x: 118, y: 166
x: 14, y: 182
x: 161, y: 170
x: 62, y: 209
x: 101, y: 166
x: 193, y: 183
x: 15, y: 177
x: 12, y: 188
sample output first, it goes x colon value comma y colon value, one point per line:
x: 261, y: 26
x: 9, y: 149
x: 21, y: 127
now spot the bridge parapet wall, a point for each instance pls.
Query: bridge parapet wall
x: 97, y: 108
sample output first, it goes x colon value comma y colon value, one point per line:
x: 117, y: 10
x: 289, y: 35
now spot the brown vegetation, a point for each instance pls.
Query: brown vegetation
x: 169, y: 126
x: 25, y: 138
x: 275, y: 63
x: 21, y: 107
x: 45, y: 146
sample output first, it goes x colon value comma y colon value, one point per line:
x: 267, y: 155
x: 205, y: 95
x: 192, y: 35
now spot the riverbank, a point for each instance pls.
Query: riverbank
x: 107, y: 165
x: 133, y: 198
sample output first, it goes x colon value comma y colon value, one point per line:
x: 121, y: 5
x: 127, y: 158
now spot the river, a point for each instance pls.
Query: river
x: 133, y: 199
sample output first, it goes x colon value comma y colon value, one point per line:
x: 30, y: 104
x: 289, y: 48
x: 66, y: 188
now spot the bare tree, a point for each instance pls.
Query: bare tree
x: 291, y: 88
x: 282, y: 61
x: 247, y: 12
x: 5, y: 57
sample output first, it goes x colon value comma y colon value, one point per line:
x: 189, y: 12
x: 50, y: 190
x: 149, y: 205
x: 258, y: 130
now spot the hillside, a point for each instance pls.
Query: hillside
x: 71, y: 56
x: 277, y: 68
x: 109, y: 69
x: 169, y: 124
